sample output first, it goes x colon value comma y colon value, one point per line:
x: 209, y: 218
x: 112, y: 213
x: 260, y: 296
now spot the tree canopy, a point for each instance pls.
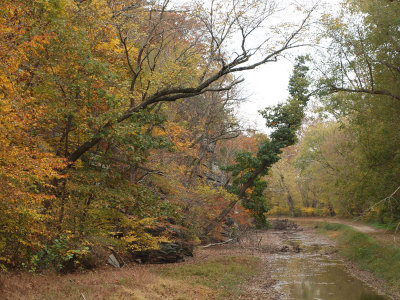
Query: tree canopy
x: 119, y: 132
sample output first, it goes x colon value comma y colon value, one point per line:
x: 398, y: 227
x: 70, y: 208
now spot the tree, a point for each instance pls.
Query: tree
x: 283, y: 181
x: 363, y: 56
x: 27, y: 162
x: 248, y: 169
x: 361, y: 90
x: 154, y: 52
x: 95, y: 83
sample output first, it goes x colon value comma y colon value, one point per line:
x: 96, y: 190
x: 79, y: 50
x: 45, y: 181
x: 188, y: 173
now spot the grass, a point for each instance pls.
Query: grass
x: 223, y: 275
x: 380, y: 259
x: 389, y: 227
x: 211, y: 279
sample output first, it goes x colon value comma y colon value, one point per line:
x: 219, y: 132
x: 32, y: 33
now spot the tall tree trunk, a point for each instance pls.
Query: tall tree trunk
x: 315, y: 201
x: 289, y: 195
x: 304, y: 198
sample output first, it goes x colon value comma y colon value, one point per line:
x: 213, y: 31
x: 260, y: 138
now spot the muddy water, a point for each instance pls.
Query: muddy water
x: 312, y: 273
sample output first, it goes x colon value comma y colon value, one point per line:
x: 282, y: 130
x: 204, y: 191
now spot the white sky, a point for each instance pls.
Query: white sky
x: 268, y: 84
x: 264, y: 86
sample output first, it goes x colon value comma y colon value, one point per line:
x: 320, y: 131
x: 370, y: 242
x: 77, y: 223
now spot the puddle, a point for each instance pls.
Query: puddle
x: 313, y: 274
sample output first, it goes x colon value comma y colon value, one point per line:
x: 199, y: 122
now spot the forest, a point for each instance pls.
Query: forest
x: 119, y: 124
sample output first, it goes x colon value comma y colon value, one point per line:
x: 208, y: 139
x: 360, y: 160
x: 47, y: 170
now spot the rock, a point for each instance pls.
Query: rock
x: 283, y: 224
x: 296, y: 248
x: 112, y: 260
x: 168, y: 253
x: 214, y: 175
x: 285, y: 248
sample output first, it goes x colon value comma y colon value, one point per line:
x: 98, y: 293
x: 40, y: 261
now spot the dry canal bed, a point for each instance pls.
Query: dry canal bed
x: 307, y: 269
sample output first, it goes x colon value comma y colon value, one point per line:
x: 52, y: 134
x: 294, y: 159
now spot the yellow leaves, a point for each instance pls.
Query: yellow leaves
x: 212, y: 193
x: 27, y: 162
x: 77, y: 253
x: 16, y: 42
x: 279, y: 211
x: 137, y: 238
x: 113, y: 45
x: 308, y: 211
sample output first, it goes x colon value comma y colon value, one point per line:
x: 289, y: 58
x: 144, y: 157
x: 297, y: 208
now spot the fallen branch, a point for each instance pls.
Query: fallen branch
x: 390, y: 197
x: 215, y: 244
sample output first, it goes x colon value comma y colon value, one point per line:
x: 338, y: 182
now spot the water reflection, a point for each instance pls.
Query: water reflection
x: 314, y: 276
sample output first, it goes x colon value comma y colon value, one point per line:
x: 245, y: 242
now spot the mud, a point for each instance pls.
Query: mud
x: 302, y: 265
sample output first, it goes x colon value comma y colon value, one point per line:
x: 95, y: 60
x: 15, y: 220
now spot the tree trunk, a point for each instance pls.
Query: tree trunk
x: 289, y: 195
x: 304, y: 198
x: 231, y: 205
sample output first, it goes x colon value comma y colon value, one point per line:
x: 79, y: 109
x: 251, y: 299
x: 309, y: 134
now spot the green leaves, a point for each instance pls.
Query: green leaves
x: 285, y: 119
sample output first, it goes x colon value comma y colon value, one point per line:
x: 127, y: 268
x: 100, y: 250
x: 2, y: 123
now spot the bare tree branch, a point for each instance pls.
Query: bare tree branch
x: 206, y: 83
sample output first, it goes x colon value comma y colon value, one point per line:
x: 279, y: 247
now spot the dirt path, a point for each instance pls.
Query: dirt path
x: 379, y: 234
x: 356, y: 225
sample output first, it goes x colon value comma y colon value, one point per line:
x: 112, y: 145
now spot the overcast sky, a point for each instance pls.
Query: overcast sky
x: 264, y: 86
x: 267, y: 85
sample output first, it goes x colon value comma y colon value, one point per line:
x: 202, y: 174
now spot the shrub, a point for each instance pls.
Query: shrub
x: 61, y: 255
x: 308, y: 211
x: 278, y: 211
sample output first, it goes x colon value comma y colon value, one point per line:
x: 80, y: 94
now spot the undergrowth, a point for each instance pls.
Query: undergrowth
x: 224, y: 274
x: 381, y: 259
x: 389, y: 227
x: 218, y: 278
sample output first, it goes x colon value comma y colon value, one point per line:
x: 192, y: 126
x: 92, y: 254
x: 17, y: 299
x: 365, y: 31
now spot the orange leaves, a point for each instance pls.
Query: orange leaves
x: 213, y: 200
x: 27, y: 163
x: 177, y: 134
x: 17, y: 42
x: 245, y: 142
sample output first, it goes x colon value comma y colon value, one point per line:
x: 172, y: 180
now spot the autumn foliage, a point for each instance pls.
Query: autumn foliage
x: 117, y: 119
x: 62, y: 74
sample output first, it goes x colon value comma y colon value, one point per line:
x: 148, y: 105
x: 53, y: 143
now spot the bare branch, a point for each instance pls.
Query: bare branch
x: 365, y: 91
x: 161, y: 41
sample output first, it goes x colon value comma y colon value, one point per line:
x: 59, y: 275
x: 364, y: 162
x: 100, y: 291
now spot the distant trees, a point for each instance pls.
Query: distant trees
x: 363, y: 53
x: 370, y: 102
x: 350, y: 160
